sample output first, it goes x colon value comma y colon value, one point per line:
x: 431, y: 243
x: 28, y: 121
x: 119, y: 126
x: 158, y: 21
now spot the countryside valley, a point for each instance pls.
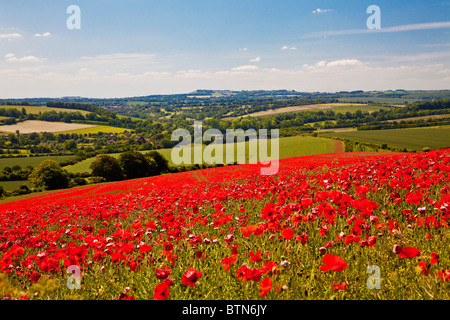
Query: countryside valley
x: 73, y: 132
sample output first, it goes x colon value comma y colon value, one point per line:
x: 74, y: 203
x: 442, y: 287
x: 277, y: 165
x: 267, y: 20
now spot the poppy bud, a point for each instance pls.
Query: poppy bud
x: 322, y: 250
x: 397, y: 249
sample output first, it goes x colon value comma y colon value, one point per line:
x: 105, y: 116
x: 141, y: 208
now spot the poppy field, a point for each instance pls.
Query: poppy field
x: 334, y: 226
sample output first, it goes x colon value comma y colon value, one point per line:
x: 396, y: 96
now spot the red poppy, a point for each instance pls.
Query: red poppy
x: 340, y: 286
x: 162, y: 274
x: 227, y: 262
x: 333, y: 263
x: 190, y: 277
x: 424, y: 268
x: 287, y: 233
x: 434, y: 258
x: 161, y: 291
x: 409, y: 252
x: 265, y: 286
x: 35, y: 276
x: 255, y: 257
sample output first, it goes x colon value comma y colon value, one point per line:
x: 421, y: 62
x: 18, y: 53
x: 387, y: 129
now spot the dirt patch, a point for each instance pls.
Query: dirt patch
x: 43, y: 126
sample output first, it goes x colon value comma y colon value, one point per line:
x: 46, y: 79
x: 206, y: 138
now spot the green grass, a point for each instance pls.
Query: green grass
x: 411, y: 138
x: 29, y: 161
x: 97, y: 129
x: 11, y: 185
x: 37, y: 109
x: 289, y: 147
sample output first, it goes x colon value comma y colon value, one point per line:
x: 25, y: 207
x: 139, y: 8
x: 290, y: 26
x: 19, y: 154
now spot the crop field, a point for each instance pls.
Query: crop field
x: 436, y: 116
x: 30, y: 126
x: 346, y: 226
x: 336, y: 107
x: 37, y: 109
x: 96, y: 129
x: 29, y: 161
x: 289, y: 147
x: 411, y: 138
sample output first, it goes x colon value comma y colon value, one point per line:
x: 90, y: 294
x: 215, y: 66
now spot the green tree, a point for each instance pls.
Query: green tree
x: 136, y: 165
x: 107, y: 167
x: 49, y: 174
x: 162, y: 164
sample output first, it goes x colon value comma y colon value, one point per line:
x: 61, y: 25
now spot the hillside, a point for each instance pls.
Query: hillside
x: 309, y: 232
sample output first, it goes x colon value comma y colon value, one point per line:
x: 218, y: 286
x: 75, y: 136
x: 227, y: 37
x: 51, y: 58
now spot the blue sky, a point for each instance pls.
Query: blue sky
x: 131, y: 48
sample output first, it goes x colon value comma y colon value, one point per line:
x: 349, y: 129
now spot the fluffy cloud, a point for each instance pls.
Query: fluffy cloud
x: 10, y: 36
x: 11, y: 57
x: 318, y: 10
x: 257, y: 59
x: 288, y: 48
x: 45, y: 34
x: 335, y: 63
x: 245, y: 68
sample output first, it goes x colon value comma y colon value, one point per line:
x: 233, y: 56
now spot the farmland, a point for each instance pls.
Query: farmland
x: 315, y: 230
x: 43, y: 126
x: 289, y: 147
x: 338, y: 107
x: 414, y: 138
x: 29, y: 161
x: 38, y: 109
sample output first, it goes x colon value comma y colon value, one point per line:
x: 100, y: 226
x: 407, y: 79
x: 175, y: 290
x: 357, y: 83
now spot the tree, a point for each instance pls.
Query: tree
x: 136, y: 165
x: 49, y: 174
x: 107, y: 167
x: 162, y: 164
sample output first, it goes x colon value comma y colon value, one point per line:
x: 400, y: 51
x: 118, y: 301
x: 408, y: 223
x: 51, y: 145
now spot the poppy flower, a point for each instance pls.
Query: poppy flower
x: 265, y: 286
x: 409, y: 252
x: 227, y: 262
x: 162, y: 274
x: 434, y: 258
x: 333, y: 263
x: 161, y: 291
x: 340, y: 286
x: 255, y: 257
x: 424, y: 268
x: 35, y: 276
x: 190, y: 277
x: 287, y: 233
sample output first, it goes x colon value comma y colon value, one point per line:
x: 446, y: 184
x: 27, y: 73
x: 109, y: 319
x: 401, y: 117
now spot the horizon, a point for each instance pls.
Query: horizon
x: 141, y: 48
x: 219, y: 90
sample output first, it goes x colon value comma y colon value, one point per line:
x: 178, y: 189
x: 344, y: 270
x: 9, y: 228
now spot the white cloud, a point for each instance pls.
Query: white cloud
x: 11, y: 57
x: 45, y: 34
x: 335, y: 63
x: 242, y: 49
x: 10, y: 36
x: 402, y: 28
x: 245, y: 68
x: 257, y: 59
x: 318, y: 10
x: 288, y: 48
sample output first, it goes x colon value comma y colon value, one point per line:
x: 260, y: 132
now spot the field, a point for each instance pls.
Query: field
x: 37, y: 109
x: 337, y: 107
x: 289, y: 147
x: 11, y: 185
x: 29, y: 161
x: 335, y: 227
x: 97, y: 129
x: 437, y: 116
x: 411, y: 138
x: 30, y: 126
